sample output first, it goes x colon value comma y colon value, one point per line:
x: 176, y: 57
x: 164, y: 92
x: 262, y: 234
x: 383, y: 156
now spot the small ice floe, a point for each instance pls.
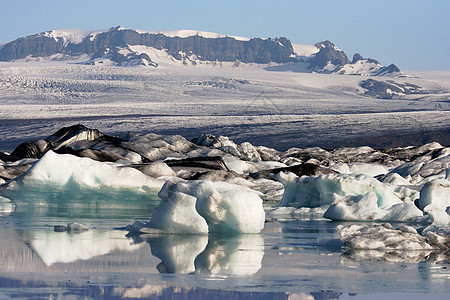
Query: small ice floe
x: 201, y: 207
x: 367, y: 208
x: 71, y: 228
x: 383, y: 242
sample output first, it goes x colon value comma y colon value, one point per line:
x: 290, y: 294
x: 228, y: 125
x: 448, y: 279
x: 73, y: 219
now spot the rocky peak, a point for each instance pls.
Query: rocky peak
x: 329, y: 58
x: 356, y: 57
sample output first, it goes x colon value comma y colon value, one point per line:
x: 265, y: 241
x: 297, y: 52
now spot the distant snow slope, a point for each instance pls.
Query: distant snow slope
x: 188, y: 33
x: 73, y: 36
x: 277, y: 109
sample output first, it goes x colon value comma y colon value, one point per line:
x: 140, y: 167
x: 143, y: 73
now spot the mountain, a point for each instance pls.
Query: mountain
x: 126, y: 47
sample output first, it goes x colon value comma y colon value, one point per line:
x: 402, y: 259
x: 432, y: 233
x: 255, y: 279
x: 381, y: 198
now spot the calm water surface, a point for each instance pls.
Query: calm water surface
x: 289, y: 260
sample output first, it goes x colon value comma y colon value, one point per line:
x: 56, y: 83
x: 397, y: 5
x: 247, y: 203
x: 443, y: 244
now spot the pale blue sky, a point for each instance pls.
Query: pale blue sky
x: 413, y: 34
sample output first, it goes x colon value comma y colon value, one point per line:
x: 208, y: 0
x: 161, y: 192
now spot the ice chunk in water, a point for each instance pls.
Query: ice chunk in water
x: 63, y: 179
x: 204, y: 206
x: 365, y: 208
x: 226, y: 207
x: 178, y: 215
x: 316, y: 191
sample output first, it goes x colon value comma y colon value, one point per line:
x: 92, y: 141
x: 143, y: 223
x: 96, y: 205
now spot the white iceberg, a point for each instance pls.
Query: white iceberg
x: 178, y: 215
x: 203, y: 206
x: 63, y: 169
x: 435, y: 201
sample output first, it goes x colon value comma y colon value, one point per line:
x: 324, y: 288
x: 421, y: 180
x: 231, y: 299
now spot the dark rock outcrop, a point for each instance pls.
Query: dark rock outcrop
x: 305, y: 169
x: 31, y: 149
x: 208, y: 163
x: 328, y: 54
x: 389, y: 89
x: 58, y: 142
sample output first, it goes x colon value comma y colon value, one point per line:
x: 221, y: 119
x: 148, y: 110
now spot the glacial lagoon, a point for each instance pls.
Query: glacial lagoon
x: 289, y: 259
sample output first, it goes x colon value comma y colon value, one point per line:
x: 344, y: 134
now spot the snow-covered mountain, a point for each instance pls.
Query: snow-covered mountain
x: 127, y: 47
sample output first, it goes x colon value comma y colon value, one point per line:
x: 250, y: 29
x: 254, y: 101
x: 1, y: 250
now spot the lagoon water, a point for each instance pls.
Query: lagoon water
x: 289, y: 259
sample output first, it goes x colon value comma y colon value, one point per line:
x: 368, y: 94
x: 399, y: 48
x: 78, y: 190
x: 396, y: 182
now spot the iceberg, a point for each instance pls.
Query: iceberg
x: 315, y: 191
x: 385, y: 237
x: 178, y: 215
x: 203, y: 206
x: 63, y: 179
x: 365, y: 208
x: 382, y: 242
x: 435, y: 201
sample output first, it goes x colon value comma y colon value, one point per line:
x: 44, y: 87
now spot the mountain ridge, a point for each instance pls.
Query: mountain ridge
x: 128, y: 47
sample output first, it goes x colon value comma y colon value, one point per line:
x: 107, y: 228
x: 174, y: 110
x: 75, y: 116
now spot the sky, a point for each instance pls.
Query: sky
x: 413, y: 34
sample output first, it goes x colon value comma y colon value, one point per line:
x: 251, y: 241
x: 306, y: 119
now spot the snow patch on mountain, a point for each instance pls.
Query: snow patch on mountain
x: 72, y: 36
x: 305, y: 50
x: 189, y: 33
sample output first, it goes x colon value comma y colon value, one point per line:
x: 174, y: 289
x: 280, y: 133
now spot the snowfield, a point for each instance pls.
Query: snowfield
x: 245, y: 103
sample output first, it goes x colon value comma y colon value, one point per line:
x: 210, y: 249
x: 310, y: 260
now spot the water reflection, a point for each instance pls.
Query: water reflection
x: 64, y: 247
x: 208, y: 255
x: 286, y: 261
x: 177, y: 253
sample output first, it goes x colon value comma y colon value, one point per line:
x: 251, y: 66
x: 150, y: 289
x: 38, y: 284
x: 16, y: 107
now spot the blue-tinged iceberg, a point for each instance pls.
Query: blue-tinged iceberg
x: 67, y: 180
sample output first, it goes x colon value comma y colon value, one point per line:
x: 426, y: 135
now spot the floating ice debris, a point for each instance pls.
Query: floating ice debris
x: 71, y: 228
x: 365, y: 208
x: 385, y: 237
x: 374, y: 184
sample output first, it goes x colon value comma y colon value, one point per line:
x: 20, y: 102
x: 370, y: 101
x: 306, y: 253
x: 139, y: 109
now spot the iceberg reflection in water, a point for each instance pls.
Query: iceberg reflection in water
x: 214, y: 255
x: 287, y: 260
